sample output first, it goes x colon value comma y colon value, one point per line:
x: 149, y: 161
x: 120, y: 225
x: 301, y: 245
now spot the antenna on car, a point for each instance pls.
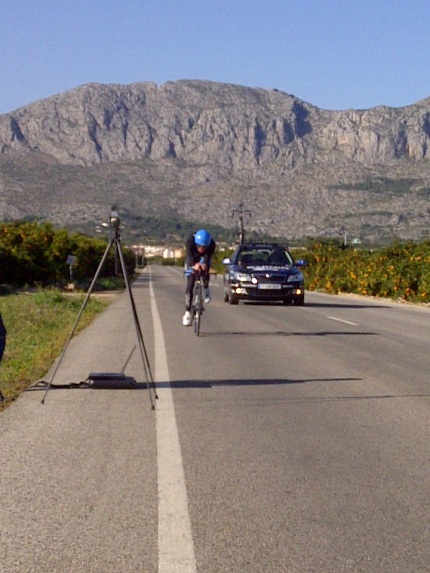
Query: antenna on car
x: 241, y: 212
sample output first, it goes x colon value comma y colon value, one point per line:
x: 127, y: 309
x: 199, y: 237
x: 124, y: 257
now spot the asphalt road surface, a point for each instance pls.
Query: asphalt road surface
x: 284, y: 439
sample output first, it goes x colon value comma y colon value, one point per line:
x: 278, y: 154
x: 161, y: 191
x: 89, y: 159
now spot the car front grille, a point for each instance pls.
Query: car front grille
x: 270, y: 278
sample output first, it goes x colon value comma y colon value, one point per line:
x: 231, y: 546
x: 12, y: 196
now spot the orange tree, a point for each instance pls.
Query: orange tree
x: 398, y: 271
x: 36, y: 253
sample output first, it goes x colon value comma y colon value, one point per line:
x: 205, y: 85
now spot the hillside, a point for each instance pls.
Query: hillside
x: 197, y: 149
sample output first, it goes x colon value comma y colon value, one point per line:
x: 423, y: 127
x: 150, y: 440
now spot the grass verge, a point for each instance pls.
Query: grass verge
x: 38, y: 325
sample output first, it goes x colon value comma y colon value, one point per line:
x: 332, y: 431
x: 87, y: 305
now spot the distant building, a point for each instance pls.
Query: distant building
x: 172, y: 253
x: 150, y: 251
x: 168, y: 253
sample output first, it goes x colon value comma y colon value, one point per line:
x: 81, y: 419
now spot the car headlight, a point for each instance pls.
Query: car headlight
x: 295, y: 278
x: 241, y: 277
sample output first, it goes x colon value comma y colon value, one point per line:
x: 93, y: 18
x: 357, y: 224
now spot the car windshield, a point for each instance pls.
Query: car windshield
x: 264, y: 257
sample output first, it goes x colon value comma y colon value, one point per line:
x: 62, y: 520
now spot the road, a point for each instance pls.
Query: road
x: 284, y: 439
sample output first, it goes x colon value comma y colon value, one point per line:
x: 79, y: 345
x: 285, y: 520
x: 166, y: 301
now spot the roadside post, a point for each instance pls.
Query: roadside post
x: 71, y: 261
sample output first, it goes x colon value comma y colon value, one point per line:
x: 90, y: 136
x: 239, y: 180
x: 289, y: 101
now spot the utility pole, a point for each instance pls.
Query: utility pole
x: 345, y: 237
x: 241, y: 212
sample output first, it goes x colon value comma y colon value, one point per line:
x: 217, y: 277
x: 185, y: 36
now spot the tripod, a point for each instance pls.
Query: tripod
x: 116, y: 241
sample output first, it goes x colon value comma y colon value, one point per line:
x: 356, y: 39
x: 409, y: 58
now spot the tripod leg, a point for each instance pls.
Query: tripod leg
x: 144, y: 355
x: 84, y: 304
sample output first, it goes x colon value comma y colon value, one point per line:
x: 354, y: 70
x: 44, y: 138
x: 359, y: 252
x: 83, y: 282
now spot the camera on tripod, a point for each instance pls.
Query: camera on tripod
x: 112, y: 379
x: 114, y: 220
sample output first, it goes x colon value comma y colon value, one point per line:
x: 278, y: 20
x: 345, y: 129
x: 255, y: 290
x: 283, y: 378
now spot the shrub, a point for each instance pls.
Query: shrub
x: 36, y: 254
x: 398, y: 271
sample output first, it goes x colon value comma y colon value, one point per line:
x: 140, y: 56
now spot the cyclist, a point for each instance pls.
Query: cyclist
x: 200, y: 247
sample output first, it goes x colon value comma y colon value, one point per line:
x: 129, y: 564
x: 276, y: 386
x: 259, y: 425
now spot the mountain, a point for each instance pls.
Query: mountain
x: 197, y: 149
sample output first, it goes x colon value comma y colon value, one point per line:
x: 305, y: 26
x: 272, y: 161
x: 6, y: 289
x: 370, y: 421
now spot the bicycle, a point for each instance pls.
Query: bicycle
x: 197, y: 306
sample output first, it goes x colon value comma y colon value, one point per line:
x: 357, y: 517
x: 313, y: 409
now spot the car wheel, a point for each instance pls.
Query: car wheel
x: 233, y: 299
x: 300, y: 300
x: 225, y: 298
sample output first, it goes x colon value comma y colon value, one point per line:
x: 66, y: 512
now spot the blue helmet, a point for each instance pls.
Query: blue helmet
x: 202, y: 238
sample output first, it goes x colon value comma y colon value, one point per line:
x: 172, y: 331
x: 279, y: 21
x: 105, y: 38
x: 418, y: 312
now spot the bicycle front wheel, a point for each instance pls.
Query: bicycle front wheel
x: 197, y: 320
x: 198, y: 307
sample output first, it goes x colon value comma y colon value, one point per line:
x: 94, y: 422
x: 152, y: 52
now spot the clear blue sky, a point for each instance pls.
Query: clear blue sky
x: 335, y: 54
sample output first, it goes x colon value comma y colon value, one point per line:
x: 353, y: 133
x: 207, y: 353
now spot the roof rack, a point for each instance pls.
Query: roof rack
x: 263, y: 244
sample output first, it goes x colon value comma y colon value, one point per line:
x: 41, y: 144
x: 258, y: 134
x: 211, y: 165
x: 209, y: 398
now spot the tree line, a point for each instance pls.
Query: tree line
x: 33, y: 253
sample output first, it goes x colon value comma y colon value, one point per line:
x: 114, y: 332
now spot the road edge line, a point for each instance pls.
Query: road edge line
x: 175, y: 540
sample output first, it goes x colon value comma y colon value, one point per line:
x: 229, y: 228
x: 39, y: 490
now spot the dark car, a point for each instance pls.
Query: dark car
x: 263, y: 272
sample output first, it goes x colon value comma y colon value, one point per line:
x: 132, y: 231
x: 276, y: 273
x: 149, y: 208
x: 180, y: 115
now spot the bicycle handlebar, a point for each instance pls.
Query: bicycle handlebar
x: 192, y: 271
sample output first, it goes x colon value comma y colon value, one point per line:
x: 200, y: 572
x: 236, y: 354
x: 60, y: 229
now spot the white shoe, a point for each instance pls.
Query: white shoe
x: 186, y: 319
x: 208, y: 297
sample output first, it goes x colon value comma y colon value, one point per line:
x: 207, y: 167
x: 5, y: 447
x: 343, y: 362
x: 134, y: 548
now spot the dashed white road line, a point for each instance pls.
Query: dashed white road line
x: 344, y: 321
x: 175, y: 540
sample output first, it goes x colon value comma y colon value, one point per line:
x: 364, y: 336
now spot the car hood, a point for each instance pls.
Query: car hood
x: 267, y: 269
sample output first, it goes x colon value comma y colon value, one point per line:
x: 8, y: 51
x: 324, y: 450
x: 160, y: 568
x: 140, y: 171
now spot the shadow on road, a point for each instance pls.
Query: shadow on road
x: 285, y: 333
x: 312, y: 304
x: 246, y: 382
x: 211, y: 384
x: 348, y: 305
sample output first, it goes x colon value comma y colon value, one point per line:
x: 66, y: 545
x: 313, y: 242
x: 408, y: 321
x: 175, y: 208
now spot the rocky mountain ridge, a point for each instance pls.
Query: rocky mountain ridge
x: 197, y: 149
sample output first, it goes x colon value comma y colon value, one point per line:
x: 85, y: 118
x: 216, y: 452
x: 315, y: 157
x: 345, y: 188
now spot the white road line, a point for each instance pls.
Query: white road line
x: 344, y: 321
x: 175, y: 540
